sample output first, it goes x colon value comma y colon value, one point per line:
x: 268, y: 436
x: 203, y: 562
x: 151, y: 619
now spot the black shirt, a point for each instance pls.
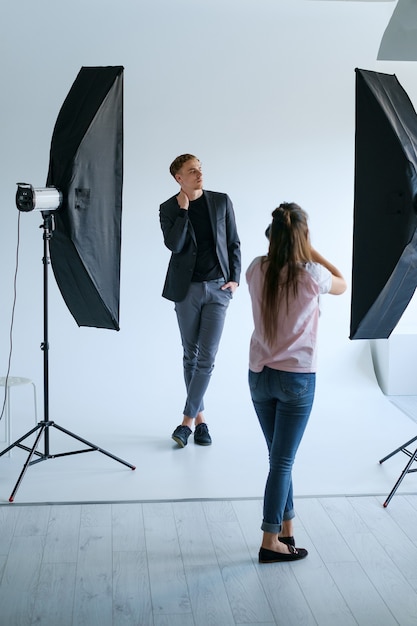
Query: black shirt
x: 207, y: 266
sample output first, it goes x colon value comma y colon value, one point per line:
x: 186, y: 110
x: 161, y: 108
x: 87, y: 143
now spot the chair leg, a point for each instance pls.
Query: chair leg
x: 35, y: 402
x: 7, y: 429
x: 7, y: 408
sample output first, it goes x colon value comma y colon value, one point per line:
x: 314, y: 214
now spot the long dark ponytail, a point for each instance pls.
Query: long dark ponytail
x: 289, y: 248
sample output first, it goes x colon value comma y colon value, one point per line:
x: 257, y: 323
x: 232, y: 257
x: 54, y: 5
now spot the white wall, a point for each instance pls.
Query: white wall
x: 263, y: 93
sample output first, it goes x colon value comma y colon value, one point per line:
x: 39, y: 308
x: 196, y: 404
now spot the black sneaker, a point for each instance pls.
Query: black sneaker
x: 181, y: 434
x: 201, y: 435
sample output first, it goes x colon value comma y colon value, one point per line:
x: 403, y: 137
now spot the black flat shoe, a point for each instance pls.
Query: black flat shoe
x: 290, y: 541
x: 270, y: 556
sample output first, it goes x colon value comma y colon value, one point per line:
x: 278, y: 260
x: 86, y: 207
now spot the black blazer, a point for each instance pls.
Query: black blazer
x: 179, y: 237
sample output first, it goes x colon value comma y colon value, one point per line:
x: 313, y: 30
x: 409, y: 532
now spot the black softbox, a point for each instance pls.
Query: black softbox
x: 86, y: 165
x: 384, y: 273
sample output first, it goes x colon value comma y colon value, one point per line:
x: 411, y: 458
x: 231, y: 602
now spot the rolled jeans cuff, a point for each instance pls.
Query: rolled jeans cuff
x: 276, y: 528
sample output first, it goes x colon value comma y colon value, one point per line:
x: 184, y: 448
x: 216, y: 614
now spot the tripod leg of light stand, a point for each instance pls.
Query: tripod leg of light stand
x: 405, y: 471
x: 400, y: 449
x: 92, y: 446
x: 41, y: 426
x: 17, y: 443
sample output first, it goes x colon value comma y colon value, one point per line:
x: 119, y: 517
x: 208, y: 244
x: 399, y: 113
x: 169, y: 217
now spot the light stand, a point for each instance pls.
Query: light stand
x: 407, y: 469
x: 42, y: 428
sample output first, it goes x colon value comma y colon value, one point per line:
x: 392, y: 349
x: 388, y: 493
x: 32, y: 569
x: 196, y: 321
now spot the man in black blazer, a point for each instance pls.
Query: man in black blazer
x: 203, y: 273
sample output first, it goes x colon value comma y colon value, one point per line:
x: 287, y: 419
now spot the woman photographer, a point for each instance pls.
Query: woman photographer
x: 285, y: 287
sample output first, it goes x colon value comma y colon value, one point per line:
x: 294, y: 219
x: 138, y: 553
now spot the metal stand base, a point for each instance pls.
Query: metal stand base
x: 43, y: 428
x: 406, y: 470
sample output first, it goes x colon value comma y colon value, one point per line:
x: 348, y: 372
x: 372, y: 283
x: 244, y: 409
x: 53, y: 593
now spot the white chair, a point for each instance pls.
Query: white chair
x: 14, y: 381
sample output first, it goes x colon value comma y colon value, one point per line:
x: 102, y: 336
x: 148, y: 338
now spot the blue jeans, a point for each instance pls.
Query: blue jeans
x: 201, y: 317
x: 283, y: 403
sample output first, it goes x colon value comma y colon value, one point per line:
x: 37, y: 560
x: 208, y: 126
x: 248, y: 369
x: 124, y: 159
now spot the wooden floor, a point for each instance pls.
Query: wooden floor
x: 195, y: 563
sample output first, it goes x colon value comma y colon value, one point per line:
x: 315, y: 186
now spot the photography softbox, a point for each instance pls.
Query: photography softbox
x: 384, y: 272
x: 86, y: 165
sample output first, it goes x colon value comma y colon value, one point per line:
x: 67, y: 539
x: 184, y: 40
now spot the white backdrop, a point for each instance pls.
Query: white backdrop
x: 263, y: 94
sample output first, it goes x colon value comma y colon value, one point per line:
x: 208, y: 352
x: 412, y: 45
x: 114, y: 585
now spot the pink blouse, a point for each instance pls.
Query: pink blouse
x: 295, y: 348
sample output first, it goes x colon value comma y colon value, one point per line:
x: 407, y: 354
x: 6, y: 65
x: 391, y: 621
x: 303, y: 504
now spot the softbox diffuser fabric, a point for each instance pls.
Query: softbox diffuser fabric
x: 86, y: 165
x: 384, y: 273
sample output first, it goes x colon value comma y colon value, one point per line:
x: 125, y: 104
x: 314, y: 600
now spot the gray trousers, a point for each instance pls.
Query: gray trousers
x: 201, y: 317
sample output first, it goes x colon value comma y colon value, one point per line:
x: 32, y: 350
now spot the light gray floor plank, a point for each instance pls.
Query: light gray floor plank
x: 166, y: 570
x: 397, y: 545
x: 208, y: 596
x: 93, y: 515
x: 20, y: 580
x: 132, y: 602
x: 328, y: 541
x: 62, y: 539
x: 385, y: 576
x: 363, y: 600
x: 3, y: 559
x: 323, y: 596
x: 412, y: 500
x: 246, y: 595
x: 249, y: 515
x: 8, y: 520
x: 344, y: 516
x: 401, y: 510
x: 284, y: 594
x: 128, y: 531
x: 183, y: 619
x: 32, y: 520
x: 93, y: 604
x: 55, y: 595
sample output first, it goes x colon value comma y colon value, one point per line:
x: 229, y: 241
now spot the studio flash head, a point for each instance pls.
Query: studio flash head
x: 30, y: 198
